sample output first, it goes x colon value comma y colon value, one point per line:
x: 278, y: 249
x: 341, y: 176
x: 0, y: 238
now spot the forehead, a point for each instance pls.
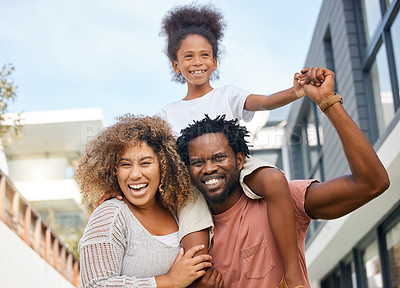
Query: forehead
x: 195, y: 40
x: 137, y: 149
x: 209, y: 144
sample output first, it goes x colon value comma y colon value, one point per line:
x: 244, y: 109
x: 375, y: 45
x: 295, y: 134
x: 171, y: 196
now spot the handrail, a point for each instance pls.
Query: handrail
x: 19, y: 215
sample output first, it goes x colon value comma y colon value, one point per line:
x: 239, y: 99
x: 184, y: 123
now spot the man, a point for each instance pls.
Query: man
x: 243, y: 248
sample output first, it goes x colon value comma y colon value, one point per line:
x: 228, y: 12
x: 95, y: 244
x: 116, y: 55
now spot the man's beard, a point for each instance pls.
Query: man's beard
x: 232, y: 181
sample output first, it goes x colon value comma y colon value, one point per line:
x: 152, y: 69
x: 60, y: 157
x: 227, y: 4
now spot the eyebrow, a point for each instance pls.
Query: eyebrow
x: 146, y: 157
x: 201, y: 51
x: 212, y: 156
x: 141, y: 159
x: 194, y: 158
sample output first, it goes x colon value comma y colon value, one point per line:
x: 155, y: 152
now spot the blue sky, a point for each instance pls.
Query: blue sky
x: 108, y: 54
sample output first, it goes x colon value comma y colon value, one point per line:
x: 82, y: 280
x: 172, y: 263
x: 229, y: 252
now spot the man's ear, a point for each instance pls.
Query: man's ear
x: 175, y: 66
x: 240, y: 158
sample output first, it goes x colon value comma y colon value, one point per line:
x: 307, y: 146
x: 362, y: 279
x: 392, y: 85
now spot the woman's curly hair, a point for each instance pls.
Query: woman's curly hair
x: 192, y: 19
x: 96, y: 173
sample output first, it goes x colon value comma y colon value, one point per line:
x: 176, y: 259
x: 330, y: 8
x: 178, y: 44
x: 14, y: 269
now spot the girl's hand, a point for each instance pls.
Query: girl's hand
x: 305, y: 77
x: 298, y: 86
x: 185, y: 269
x: 308, y: 76
x: 313, y: 76
x: 108, y: 196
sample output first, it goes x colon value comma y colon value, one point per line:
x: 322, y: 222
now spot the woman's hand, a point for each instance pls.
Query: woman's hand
x: 185, y: 269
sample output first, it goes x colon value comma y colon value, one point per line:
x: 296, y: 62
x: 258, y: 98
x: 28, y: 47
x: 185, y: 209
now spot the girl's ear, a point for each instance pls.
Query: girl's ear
x: 175, y: 66
x: 215, y: 64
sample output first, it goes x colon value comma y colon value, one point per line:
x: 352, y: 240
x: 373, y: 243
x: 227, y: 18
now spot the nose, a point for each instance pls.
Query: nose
x: 135, y: 173
x: 209, y: 167
x: 197, y: 61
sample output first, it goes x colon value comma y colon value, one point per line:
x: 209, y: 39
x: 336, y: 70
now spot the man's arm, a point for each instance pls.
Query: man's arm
x: 368, y: 178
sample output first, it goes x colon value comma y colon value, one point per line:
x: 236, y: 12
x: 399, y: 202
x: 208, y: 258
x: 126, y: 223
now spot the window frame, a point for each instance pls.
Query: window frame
x: 368, y: 52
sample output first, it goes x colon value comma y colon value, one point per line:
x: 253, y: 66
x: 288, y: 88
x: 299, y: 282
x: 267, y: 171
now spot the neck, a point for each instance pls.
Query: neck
x: 149, y: 209
x: 150, y: 217
x: 197, y: 91
x: 229, y: 203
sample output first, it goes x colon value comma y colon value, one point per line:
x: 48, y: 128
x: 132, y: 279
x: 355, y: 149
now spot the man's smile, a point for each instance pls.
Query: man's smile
x: 213, y: 182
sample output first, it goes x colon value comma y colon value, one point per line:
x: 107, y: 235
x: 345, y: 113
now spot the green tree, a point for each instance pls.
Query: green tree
x: 8, y: 93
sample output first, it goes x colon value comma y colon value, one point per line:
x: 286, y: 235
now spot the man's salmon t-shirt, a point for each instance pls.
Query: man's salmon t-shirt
x: 244, y: 250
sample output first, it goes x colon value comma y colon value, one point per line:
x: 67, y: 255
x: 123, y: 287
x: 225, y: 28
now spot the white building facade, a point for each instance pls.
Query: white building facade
x: 41, y: 164
x: 360, y: 41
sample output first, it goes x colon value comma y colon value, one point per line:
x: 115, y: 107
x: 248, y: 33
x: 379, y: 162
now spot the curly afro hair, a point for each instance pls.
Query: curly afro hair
x: 235, y: 134
x: 181, y: 21
x: 96, y: 174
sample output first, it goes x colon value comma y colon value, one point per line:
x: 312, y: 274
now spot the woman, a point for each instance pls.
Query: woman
x: 134, y: 242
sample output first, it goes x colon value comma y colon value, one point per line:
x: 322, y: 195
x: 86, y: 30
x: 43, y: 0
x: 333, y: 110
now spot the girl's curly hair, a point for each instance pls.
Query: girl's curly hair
x: 192, y: 19
x: 96, y: 173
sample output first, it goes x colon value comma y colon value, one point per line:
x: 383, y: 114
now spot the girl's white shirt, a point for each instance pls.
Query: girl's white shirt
x: 228, y: 100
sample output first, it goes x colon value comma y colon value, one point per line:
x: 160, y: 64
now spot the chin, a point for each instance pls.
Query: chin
x: 217, y: 199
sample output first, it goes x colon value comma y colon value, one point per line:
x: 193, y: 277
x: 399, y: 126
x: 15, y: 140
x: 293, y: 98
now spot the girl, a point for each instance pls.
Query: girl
x: 125, y: 244
x: 193, y: 35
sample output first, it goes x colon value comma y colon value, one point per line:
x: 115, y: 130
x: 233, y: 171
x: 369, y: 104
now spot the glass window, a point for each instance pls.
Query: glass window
x: 372, y: 266
x: 312, y: 139
x: 372, y: 15
x: 353, y: 275
x: 311, y: 146
x: 395, y: 33
x: 383, y: 96
x: 349, y: 279
x: 305, y: 151
x: 393, y: 252
x: 341, y: 277
x: 313, y: 228
x: 332, y: 281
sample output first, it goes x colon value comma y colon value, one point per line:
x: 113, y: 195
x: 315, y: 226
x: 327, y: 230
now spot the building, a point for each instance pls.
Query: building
x: 360, y: 41
x: 41, y: 164
x: 35, y: 182
x: 32, y: 255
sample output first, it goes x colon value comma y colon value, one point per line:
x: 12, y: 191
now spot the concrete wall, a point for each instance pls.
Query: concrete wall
x: 21, y: 267
x: 3, y: 161
x: 39, y: 169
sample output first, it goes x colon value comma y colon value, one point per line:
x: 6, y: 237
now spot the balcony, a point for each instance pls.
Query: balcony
x: 21, y: 218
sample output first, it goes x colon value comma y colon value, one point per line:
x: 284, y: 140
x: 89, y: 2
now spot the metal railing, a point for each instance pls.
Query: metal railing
x: 18, y: 214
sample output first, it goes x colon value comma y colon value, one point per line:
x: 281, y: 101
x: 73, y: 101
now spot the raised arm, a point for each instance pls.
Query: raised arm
x: 368, y: 178
x: 257, y: 102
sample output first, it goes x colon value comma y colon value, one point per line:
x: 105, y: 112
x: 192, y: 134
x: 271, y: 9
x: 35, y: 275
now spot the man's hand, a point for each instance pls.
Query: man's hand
x: 318, y: 83
x: 212, y: 279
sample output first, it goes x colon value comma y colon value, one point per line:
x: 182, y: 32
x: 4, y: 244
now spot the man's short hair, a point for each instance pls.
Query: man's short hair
x: 235, y: 134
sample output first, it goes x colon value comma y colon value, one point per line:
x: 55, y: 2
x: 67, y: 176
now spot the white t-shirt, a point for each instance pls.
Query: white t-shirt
x: 228, y: 100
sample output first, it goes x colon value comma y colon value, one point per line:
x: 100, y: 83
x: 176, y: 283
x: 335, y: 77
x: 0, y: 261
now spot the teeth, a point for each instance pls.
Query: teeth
x: 198, y: 71
x: 139, y: 186
x: 212, y: 181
